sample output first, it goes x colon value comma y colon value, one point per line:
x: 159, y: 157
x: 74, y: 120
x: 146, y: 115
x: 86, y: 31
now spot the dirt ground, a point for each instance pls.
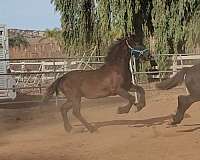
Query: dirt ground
x: 38, y: 134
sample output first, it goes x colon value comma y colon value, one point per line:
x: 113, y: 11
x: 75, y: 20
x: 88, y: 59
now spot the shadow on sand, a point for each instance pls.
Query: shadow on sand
x: 138, y: 123
x: 135, y: 123
x: 196, y: 127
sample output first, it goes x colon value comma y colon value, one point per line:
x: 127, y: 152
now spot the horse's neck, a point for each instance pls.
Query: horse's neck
x: 119, y: 58
x: 122, y: 66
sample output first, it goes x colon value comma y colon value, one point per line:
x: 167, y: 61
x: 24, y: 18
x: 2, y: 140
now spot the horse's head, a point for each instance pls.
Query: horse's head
x: 122, y: 50
x: 137, y: 49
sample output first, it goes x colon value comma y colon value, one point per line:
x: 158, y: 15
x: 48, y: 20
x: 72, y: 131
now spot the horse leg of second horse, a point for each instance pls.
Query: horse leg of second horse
x: 123, y: 93
x: 184, y: 102
x: 76, y: 112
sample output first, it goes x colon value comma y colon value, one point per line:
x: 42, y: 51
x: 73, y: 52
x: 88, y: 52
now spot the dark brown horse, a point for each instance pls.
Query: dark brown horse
x: 113, y: 78
x: 191, y: 76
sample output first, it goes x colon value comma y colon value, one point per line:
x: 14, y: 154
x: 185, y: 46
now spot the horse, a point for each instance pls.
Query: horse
x: 191, y: 77
x: 111, y: 79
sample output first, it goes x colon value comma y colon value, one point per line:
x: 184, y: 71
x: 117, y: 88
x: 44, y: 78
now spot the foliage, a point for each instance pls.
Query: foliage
x: 193, y: 30
x: 173, y: 23
x: 54, y: 36
x: 18, y: 41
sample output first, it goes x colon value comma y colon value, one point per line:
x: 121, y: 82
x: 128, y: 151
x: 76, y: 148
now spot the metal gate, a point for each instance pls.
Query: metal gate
x: 6, y: 81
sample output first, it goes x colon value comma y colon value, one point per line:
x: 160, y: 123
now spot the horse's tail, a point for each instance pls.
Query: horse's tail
x: 51, y: 90
x: 172, y: 82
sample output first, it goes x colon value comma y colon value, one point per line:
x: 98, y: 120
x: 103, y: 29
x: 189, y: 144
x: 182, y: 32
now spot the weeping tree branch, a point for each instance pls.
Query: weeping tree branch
x: 96, y: 22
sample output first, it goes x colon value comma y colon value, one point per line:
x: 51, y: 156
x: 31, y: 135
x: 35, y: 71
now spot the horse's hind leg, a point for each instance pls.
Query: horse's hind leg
x: 64, y: 109
x: 184, y: 102
x: 77, y: 113
x: 123, y: 93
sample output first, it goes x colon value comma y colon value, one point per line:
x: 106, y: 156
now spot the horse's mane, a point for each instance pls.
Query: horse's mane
x: 114, y: 51
x: 118, y: 49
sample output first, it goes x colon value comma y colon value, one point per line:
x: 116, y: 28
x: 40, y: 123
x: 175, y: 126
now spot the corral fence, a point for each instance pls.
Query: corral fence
x: 32, y: 76
x: 172, y: 64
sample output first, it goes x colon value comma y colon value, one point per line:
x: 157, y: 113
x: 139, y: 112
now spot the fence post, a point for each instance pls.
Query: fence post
x: 43, y: 75
x: 54, y: 70
x: 174, y: 59
x: 23, y: 70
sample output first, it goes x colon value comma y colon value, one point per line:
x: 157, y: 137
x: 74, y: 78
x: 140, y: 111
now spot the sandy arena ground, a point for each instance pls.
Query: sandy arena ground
x: 38, y: 134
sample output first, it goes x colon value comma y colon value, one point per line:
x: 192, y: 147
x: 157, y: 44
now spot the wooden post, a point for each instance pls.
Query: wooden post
x: 174, y: 59
x: 54, y: 70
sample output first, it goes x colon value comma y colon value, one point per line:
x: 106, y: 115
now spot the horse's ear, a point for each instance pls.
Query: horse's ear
x: 126, y: 34
x: 129, y: 34
x: 132, y: 35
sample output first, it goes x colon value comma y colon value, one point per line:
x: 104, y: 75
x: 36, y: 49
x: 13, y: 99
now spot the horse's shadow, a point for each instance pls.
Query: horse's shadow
x: 138, y: 123
x: 192, y: 129
x: 135, y: 123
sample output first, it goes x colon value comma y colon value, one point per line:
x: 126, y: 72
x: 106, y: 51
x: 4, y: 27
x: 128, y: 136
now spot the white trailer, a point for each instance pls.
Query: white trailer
x: 7, y: 82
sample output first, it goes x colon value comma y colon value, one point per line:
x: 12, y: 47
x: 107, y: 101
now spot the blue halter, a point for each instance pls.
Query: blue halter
x: 136, y: 52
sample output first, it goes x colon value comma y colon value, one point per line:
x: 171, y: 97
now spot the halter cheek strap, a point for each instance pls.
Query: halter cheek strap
x: 128, y: 45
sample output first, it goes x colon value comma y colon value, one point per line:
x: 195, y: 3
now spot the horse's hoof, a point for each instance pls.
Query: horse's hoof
x: 176, y: 119
x: 138, y: 109
x: 173, y: 124
x: 68, y: 128
x: 92, y: 129
x: 122, y: 110
x: 139, y: 106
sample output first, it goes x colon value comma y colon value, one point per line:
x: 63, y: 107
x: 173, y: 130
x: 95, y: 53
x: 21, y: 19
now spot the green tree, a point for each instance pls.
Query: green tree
x: 98, y: 22
x: 54, y: 36
x: 18, y: 41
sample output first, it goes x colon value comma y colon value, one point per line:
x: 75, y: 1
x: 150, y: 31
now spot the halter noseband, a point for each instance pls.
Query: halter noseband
x: 141, y: 52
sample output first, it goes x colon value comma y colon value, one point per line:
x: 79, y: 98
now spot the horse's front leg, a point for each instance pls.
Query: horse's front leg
x: 123, y: 93
x: 76, y: 111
